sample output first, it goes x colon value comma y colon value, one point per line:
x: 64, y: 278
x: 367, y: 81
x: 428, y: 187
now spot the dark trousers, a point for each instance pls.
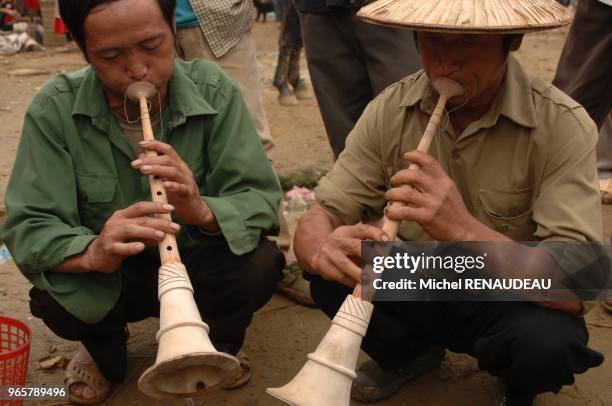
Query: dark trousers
x: 289, y: 48
x: 585, y: 66
x: 350, y: 62
x: 228, y: 290
x: 533, y: 349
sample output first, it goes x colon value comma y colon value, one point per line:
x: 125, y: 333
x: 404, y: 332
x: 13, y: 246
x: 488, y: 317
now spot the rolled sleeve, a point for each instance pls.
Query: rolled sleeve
x: 241, y: 187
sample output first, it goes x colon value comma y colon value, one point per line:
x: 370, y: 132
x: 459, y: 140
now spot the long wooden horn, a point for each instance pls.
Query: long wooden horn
x: 327, y: 376
x: 187, y: 363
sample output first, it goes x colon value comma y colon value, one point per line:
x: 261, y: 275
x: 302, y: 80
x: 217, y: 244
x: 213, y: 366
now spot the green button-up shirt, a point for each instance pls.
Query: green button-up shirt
x: 73, y: 171
x: 526, y: 168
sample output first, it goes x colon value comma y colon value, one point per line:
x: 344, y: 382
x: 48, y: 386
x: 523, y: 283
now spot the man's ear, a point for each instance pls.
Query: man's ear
x: 516, y: 42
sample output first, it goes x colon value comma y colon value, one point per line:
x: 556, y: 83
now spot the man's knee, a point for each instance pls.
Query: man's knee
x: 543, y: 352
x: 262, y: 270
x: 55, y: 316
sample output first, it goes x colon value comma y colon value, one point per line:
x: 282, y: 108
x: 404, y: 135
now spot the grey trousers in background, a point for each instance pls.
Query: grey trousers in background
x: 350, y: 62
x: 585, y: 72
x: 240, y: 63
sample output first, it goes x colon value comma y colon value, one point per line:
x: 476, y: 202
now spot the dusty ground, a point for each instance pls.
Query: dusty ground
x: 282, y: 333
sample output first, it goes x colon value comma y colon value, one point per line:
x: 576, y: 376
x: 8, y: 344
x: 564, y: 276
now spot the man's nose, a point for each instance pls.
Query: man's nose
x: 448, y: 64
x: 137, y: 70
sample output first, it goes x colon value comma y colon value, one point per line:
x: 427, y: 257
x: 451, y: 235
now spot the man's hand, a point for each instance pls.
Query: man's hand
x: 431, y: 199
x: 178, y: 180
x: 335, y: 258
x: 125, y: 234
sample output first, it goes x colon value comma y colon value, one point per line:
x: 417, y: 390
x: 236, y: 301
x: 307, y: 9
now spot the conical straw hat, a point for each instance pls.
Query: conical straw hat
x: 468, y: 16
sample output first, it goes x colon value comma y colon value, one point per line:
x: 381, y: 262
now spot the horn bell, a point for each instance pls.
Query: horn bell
x: 327, y: 376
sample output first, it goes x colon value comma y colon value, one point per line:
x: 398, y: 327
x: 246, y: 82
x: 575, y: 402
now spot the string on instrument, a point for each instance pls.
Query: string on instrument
x: 149, y: 106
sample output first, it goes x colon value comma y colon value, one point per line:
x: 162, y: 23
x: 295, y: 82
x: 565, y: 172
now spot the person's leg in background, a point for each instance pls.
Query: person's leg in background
x: 585, y: 73
x: 287, y: 71
x: 240, y: 63
x: 346, y: 60
x: 338, y: 75
x: 385, y: 67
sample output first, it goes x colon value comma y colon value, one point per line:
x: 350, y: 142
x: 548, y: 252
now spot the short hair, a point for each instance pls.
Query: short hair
x: 74, y: 13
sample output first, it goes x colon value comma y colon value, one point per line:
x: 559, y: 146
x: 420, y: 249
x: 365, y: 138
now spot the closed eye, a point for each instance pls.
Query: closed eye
x: 151, y: 45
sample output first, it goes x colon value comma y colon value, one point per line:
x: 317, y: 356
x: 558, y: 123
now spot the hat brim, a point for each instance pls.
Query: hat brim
x: 516, y: 19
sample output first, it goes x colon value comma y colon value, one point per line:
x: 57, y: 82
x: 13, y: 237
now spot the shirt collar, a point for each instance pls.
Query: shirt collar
x: 513, y: 100
x: 185, y: 99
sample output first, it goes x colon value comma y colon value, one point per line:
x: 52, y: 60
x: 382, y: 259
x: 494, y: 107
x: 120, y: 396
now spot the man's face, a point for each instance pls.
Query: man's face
x: 128, y: 41
x: 477, y: 62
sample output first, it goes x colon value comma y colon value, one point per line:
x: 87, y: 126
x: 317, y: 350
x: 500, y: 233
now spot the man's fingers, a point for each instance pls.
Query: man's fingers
x: 140, y: 233
x: 407, y: 213
x: 407, y: 195
x: 152, y: 160
x: 415, y: 178
x: 349, y: 246
x: 161, y: 148
x: 127, y: 249
x: 425, y: 162
x: 142, y: 209
x: 362, y: 232
x: 177, y: 188
x: 164, y: 172
x: 328, y: 271
x: 347, y: 267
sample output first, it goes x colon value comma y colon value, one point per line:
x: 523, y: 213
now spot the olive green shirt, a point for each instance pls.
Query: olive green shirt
x: 526, y: 169
x: 73, y: 171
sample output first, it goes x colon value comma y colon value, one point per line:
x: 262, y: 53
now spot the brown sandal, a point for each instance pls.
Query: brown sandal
x: 607, y: 305
x: 245, y: 374
x: 87, y: 373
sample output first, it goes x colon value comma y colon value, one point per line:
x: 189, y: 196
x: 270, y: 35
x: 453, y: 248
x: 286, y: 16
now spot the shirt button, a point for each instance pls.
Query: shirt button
x: 505, y: 227
x: 456, y: 155
x: 82, y: 196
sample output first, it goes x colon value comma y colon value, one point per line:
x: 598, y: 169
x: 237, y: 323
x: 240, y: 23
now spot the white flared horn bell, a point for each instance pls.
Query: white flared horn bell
x: 327, y: 376
x: 187, y: 364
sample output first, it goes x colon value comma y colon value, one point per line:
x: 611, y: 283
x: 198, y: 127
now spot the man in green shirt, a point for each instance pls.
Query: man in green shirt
x: 79, y: 210
x: 514, y: 162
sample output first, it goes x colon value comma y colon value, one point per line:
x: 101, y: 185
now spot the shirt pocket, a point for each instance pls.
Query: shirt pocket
x: 95, y: 195
x: 509, y: 211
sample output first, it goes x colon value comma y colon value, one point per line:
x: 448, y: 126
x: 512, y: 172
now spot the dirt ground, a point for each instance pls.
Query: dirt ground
x: 282, y: 333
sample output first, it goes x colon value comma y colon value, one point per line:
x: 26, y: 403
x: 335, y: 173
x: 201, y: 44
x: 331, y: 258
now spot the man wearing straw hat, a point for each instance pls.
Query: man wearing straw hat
x: 515, y: 161
x: 79, y: 205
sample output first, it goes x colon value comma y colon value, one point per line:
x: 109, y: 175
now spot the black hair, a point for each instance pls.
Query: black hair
x: 74, y: 13
x: 506, y: 42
